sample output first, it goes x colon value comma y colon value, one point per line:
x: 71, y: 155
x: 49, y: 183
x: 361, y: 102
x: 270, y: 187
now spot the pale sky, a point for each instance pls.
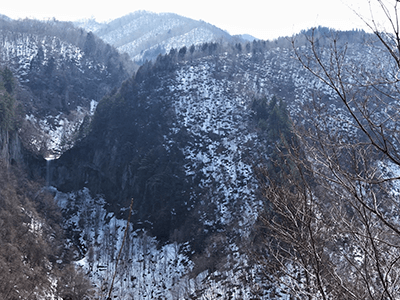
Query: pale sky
x: 266, y: 19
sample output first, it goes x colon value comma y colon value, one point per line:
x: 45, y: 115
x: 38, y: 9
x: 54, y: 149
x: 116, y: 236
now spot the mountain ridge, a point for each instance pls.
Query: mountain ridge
x: 144, y: 35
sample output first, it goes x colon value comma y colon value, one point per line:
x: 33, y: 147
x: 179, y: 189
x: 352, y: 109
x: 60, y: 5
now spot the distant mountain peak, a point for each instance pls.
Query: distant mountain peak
x: 144, y: 35
x: 247, y: 37
x: 4, y: 17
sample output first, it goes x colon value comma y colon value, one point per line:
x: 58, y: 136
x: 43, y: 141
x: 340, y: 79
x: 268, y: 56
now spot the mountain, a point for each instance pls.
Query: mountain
x: 4, y: 17
x: 145, y: 35
x: 63, y: 72
x: 247, y: 37
x: 34, y: 251
x: 157, y: 189
x: 181, y: 138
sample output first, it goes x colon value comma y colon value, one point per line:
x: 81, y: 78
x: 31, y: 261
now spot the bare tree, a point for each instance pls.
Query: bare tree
x: 73, y: 284
x: 331, y: 220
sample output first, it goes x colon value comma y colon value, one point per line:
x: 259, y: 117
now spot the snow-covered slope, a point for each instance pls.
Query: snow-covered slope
x: 145, y: 35
x: 186, y: 124
x: 180, y: 138
x: 62, y: 73
x: 200, y: 109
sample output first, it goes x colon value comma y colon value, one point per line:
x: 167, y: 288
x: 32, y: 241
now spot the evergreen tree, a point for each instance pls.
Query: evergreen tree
x: 182, y: 52
x: 6, y: 107
x: 273, y: 121
x: 272, y: 118
x: 8, y: 80
x: 90, y: 44
x: 192, y: 49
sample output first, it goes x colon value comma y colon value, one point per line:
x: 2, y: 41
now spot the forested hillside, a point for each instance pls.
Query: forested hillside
x: 182, y: 138
x: 62, y: 73
x: 216, y: 170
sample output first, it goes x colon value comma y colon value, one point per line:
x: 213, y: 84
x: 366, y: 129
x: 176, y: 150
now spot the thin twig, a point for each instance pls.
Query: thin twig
x: 120, y: 250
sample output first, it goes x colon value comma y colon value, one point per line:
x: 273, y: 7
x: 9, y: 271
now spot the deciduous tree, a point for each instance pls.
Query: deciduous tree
x: 330, y: 229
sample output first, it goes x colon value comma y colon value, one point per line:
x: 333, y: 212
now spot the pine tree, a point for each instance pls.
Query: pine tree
x: 8, y: 80
x: 7, y: 104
